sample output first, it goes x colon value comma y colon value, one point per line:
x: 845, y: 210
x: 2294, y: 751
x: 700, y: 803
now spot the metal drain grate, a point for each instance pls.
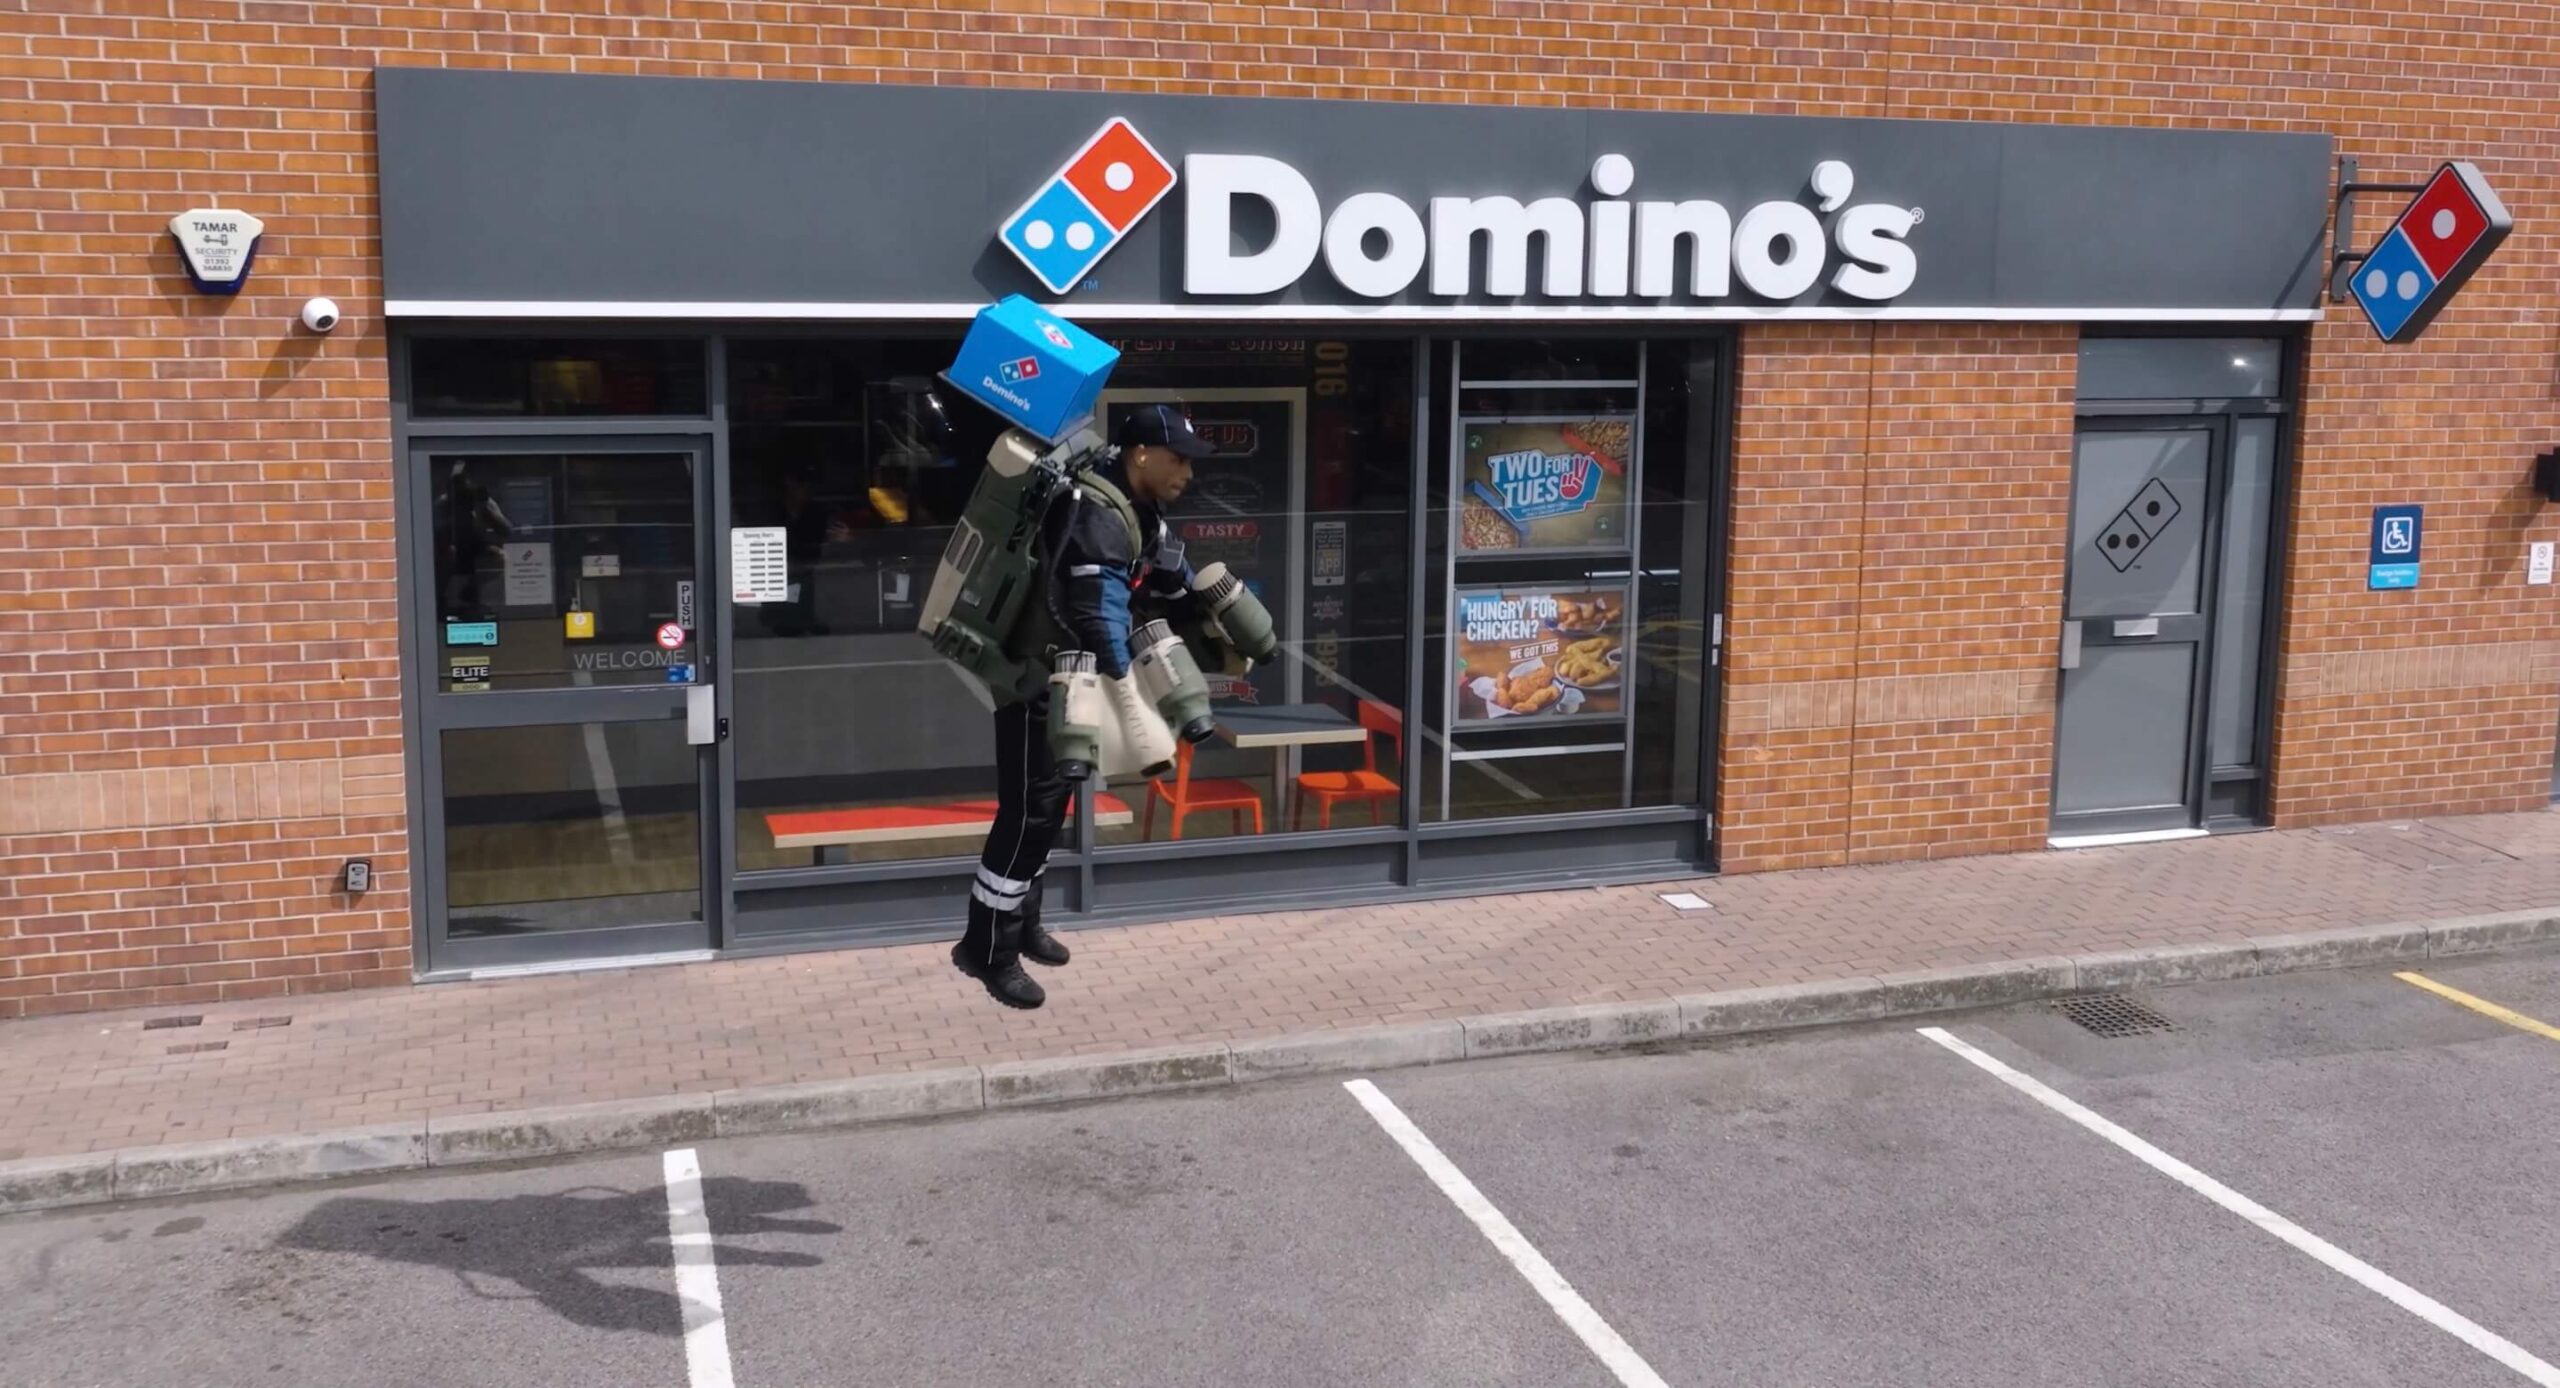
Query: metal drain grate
x: 200, y: 1047
x: 2112, y: 1015
x: 262, y: 1023
x: 162, y: 1023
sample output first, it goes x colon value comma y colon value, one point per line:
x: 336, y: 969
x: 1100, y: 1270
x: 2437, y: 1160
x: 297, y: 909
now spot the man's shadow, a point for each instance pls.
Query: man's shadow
x: 550, y: 1245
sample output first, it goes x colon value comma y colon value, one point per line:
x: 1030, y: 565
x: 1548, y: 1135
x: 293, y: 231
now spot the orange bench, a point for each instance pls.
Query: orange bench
x: 958, y: 819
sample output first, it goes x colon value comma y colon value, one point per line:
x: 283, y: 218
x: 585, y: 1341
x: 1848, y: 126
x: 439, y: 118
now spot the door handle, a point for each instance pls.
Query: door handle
x: 2070, y: 645
x: 2137, y: 626
x: 701, y: 716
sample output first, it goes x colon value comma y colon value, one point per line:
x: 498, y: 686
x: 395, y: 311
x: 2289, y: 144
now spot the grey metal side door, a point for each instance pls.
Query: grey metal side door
x: 2128, y: 749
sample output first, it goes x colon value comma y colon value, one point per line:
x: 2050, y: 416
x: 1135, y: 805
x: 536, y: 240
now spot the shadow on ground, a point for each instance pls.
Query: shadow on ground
x: 549, y: 1247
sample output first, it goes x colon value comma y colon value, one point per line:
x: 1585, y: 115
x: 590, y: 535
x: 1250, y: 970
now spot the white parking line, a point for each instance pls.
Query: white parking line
x: 706, y: 1329
x: 2364, y: 1274
x: 1550, y: 1284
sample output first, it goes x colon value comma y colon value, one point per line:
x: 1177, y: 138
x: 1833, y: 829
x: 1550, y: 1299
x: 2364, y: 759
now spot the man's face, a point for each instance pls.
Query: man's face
x: 1158, y: 475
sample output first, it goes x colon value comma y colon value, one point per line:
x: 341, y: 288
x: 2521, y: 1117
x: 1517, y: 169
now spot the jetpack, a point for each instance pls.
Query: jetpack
x: 989, y: 607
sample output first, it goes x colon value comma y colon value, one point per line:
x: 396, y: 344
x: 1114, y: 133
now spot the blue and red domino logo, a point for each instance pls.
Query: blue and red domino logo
x: 1088, y: 205
x: 2444, y: 235
x: 1016, y: 372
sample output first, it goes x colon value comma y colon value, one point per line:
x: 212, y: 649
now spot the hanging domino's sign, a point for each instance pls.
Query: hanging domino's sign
x: 2446, y: 233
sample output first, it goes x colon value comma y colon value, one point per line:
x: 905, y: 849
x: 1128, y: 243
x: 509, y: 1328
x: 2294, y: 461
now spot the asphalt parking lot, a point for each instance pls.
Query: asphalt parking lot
x: 2331, y: 1179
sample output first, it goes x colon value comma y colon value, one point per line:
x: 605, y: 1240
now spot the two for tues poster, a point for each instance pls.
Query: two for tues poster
x: 1545, y: 485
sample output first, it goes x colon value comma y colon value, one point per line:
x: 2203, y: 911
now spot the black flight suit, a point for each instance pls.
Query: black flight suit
x: 1093, y: 571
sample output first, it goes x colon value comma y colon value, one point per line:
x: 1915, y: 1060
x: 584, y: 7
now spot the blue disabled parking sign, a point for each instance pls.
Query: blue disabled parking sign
x: 2397, y: 533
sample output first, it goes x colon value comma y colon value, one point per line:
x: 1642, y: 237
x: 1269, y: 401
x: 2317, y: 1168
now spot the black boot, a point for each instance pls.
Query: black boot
x: 1038, y: 945
x: 990, y: 953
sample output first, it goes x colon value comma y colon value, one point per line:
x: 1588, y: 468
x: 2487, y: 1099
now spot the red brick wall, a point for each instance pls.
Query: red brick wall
x: 198, y: 576
x: 199, y: 700
x: 1901, y: 503
x: 2433, y: 701
x: 1803, y: 415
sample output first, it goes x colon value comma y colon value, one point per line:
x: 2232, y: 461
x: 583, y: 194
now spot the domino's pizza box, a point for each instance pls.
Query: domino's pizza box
x: 1033, y: 367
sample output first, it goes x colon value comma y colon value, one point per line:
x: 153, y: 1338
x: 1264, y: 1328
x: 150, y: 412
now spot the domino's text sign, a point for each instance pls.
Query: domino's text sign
x: 2439, y: 240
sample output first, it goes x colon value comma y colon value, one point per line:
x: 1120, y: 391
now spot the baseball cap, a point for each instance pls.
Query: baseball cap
x: 1164, y: 426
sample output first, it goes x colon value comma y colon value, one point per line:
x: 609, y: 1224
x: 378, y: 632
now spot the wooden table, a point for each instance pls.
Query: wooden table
x: 1284, y: 728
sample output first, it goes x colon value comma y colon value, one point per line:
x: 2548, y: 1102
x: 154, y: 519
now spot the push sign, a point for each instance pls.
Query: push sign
x: 2423, y: 260
x: 2396, y: 537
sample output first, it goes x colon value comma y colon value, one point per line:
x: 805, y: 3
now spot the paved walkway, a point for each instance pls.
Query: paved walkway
x: 109, y: 1080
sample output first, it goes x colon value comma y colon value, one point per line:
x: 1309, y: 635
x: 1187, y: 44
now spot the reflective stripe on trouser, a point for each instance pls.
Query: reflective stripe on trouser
x: 1031, y: 802
x: 1002, y: 893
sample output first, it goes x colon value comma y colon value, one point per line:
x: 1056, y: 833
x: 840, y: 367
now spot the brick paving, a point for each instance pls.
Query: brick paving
x: 87, y: 1083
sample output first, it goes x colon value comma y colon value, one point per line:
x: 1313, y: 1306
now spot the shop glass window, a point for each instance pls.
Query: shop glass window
x: 570, y: 828
x: 556, y: 570
x: 1519, y: 361
x: 1308, y: 499
x: 553, y: 377
x: 850, y: 734
x: 2181, y: 368
x: 855, y: 741
x: 2240, y: 599
x: 1567, y: 549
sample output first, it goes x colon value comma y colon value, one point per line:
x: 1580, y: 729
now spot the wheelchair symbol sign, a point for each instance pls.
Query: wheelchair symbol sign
x: 2399, y: 533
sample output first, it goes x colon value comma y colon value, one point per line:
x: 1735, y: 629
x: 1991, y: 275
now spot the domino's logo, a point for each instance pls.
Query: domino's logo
x: 2444, y: 235
x: 1088, y: 205
x: 1017, y: 372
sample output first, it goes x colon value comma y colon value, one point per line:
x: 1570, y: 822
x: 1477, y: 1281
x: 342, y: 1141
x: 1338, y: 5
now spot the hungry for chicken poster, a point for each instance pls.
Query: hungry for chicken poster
x: 1551, y: 654
x: 1545, y: 484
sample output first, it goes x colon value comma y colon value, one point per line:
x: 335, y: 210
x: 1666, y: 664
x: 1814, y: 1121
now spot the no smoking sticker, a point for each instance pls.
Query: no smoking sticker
x: 670, y: 636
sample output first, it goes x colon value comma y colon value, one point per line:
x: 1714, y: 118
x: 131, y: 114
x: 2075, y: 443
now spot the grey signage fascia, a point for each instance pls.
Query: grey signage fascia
x: 585, y: 196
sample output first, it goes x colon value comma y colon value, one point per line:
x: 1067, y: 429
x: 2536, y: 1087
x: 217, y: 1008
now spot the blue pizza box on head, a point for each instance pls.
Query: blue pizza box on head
x: 1032, y: 366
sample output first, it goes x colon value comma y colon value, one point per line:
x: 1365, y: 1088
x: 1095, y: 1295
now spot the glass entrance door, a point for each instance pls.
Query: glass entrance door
x: 2136, y: 623
x: 570, y: 724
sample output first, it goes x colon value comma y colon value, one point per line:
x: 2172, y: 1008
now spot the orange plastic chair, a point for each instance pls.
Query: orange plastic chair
x: 1189, y: 797
x: 1368, y: 784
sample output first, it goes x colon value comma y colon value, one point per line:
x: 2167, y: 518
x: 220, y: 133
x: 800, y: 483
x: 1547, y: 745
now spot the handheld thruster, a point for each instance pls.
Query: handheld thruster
x: 1076, y: 710
x: 1170, y: 679
x: 1241, y: 620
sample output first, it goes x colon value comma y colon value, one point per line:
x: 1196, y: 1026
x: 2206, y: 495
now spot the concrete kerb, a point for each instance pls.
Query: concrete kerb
x: 788, y: 1108
x: 2480, y: 934
x: 1070, y: 1078
x: 1588, y: 1027
x: 263, y: 1161
x: 45, y: 1183
x: 140, y: 1173
x: 614, y: 1125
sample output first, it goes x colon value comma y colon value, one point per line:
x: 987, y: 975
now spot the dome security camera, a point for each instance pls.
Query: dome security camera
x: 320, y: 315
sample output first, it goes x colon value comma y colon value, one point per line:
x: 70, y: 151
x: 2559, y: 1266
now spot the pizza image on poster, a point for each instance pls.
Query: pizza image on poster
x: 1550, y: 654
x: 1545, y: 484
